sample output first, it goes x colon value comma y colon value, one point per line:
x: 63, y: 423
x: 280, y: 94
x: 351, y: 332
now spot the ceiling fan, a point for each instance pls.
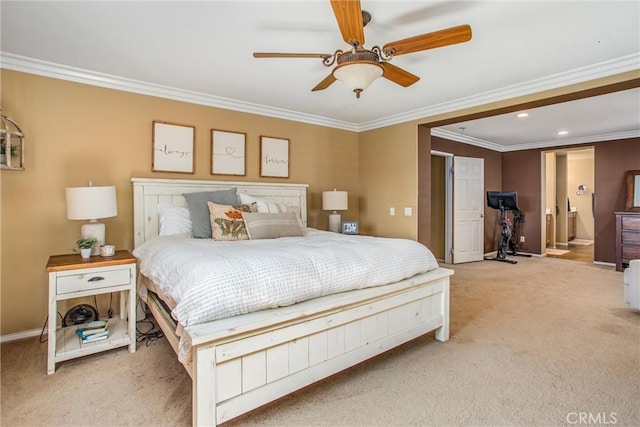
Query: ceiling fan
x: 359, y: 66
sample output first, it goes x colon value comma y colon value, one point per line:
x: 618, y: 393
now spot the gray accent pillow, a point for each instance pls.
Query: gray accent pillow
x: 271, y: 225
x: 197, y: 204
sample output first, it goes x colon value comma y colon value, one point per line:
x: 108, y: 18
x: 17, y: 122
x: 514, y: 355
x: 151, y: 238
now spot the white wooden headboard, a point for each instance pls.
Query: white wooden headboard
x: 148, y: 192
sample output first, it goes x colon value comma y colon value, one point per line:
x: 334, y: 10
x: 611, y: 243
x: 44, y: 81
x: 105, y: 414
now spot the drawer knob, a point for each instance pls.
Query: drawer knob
x: 96, y: 279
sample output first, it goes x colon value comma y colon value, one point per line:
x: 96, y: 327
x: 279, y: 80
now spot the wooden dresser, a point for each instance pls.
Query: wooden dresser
x: 627, y: 238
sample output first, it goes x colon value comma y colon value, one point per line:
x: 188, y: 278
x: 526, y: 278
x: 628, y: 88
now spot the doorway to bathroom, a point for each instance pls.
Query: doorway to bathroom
x: 569, y: 203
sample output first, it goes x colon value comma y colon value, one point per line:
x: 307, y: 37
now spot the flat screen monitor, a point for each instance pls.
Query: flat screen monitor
x: 505, y: 199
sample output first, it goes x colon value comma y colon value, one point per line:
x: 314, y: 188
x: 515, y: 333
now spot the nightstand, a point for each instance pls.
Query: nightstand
x: 70, y: 276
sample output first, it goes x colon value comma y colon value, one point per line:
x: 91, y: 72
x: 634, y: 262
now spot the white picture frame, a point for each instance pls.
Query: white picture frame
x: 228, y: 152
x: 274, y: 157
x: 172, y: 147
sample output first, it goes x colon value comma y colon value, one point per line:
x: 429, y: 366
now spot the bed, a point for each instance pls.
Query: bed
x: 242, y: 362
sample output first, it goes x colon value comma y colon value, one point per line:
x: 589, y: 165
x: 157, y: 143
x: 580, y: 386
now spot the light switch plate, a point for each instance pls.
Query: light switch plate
x: 408, y: 212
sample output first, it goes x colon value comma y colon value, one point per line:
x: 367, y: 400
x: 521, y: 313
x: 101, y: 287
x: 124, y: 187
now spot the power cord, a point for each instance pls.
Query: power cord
x: 150, y: 335
x: 44, y: 327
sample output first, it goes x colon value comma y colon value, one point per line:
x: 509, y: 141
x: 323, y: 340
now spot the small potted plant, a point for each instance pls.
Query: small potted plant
x: 86, y: 245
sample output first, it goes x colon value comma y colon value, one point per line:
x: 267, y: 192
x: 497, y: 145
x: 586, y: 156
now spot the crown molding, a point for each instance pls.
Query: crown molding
x: 452, y: 136
x: 573, y: 141
x: 28, y: 65
x: 457, y: 137
x: 615, y: 66
x: 554, y: 81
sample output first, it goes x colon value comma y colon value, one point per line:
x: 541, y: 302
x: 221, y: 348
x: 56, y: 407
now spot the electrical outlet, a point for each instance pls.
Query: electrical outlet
x: 521, y: 239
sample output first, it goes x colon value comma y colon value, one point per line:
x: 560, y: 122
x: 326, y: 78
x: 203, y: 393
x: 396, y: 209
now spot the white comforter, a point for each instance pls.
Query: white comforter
x: 209, y: 280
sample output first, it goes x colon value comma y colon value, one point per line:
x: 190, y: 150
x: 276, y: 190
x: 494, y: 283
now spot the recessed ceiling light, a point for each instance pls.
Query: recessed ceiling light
x: 563, y: 133
x: 521, y: 115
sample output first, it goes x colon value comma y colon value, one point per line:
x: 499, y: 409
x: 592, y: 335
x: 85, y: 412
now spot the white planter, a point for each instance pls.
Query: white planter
x: 85, y: 253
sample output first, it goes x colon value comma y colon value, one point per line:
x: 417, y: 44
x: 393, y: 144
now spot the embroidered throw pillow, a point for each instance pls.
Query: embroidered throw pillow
x: 227, y: 222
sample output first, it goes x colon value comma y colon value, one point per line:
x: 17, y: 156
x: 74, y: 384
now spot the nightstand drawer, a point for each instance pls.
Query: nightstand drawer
x: 89, y: 281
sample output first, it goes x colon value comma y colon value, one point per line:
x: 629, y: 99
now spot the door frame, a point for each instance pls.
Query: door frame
x: 448, y: 203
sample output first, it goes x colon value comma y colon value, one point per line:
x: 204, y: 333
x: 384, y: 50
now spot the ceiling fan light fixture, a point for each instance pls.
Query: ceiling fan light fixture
x: 359, y: 75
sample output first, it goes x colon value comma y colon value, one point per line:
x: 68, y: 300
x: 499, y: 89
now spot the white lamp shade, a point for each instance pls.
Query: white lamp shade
x: 358, y: 76
x: 91, y: 202
x: 335, y: 200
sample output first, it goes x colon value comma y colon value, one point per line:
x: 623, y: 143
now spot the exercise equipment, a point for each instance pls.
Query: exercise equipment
x: 506, y: 202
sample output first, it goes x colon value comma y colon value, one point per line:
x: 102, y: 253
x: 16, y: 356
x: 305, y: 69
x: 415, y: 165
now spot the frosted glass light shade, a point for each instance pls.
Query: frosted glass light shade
x: 335, y: 200
x: 358, y: 76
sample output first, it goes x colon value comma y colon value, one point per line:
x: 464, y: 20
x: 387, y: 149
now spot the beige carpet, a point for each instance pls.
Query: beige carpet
x: 533, y: 344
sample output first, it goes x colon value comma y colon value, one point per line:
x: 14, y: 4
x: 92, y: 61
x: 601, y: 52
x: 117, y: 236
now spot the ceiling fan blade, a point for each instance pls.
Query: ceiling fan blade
x: 324, y: 83
x: 349, y: 16
x: 290, y: 55
x: 398, y: 75
x: 449, y: 36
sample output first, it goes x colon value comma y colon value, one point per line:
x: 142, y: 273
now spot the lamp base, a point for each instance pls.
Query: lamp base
x: 95, y: 229
x: 334, y: 222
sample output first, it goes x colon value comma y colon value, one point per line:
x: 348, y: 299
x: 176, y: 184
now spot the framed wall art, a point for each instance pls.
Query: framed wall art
x: 172, y: 147
x: 350, y: 227
x: 228, y: 152
x: 274, y: 157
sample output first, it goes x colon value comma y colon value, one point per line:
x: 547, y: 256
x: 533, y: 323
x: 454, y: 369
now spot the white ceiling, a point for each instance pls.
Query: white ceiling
x: 202, y: 52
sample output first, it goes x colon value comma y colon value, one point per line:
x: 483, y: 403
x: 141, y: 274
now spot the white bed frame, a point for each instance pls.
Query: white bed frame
x: 244, y: 362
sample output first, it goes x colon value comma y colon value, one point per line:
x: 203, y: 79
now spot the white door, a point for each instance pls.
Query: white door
x: 468, y: 209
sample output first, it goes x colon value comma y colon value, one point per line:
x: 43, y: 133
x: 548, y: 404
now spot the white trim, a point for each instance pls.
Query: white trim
x: 25, y: 64
x: 566, y: 78
x: 573, y: 141
x: 21, y: 335
x: 614, y: 66
x: 605, y: 264
x: 441, y: 153
x: 454, y: 136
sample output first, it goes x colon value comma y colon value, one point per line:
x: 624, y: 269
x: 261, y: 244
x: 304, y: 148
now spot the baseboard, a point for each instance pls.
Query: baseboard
x: 605, y: 264
x: 21, y: 335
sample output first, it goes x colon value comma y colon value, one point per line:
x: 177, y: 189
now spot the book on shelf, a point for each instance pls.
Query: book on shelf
x: 93, y: 329
x: 96, y: 324
x: 96, y: 337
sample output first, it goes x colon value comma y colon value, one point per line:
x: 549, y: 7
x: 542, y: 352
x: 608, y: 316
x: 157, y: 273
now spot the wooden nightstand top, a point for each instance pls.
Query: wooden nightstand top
x: 75, y: 261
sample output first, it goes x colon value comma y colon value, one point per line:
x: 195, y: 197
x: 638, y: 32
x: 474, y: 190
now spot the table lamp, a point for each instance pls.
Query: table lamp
x: 92, y: 203
x: 334, y: 201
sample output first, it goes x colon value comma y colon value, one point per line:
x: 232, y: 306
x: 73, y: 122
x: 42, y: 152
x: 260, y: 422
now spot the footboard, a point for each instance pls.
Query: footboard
x: 239, y: 366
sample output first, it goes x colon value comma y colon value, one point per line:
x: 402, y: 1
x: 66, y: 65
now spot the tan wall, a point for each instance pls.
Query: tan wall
x: 77, y: 133
x: 581, y: 172
x: 388, y: 177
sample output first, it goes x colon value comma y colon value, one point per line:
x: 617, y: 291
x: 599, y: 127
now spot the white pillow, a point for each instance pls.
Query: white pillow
x: 264, y: 206
x: 174, y: 219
